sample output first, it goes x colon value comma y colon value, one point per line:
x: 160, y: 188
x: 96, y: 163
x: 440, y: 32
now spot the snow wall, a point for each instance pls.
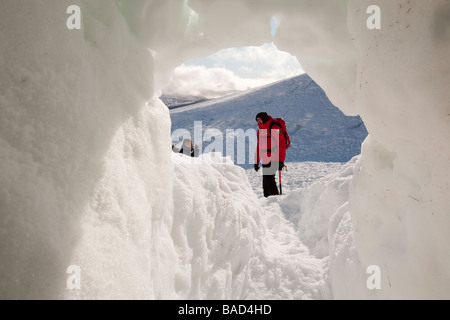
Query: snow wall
x: 86, y: 169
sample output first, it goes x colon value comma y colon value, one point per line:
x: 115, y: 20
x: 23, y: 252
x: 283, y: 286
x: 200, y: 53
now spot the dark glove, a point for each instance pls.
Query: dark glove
x: 281, y: 165
x: 256, y: 167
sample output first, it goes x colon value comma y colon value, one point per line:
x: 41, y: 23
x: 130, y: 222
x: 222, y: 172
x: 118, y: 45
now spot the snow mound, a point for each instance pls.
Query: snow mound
x: 229, y: 245
x: 311, y: 208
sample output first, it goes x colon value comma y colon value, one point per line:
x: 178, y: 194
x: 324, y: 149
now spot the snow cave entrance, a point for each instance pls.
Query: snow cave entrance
x: 213, y: 102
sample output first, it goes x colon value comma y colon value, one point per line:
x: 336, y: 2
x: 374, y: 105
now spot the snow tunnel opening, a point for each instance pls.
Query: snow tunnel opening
x: 213, y: 101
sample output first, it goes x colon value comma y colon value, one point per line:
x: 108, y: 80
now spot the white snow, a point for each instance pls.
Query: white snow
x: 232, y: 244
x: 88, y: 177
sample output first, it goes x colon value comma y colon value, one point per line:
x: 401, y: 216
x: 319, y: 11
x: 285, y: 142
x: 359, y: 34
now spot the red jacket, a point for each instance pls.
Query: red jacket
x: 270, y: 147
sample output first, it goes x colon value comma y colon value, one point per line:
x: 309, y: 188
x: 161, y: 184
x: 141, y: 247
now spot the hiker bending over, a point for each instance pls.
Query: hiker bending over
x: 188, y: 148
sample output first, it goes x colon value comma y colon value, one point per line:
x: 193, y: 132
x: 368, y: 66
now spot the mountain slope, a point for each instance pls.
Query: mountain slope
x: 319, y: 131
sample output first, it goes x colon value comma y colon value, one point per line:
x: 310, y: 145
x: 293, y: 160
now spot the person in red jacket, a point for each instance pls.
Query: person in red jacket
x: 270, y: 151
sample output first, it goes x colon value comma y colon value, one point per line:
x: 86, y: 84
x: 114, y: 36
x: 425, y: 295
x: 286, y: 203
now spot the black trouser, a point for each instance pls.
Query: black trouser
x: 269, y: 184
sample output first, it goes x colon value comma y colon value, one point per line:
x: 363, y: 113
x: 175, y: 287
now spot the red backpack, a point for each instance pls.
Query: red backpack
x: 282, y: 124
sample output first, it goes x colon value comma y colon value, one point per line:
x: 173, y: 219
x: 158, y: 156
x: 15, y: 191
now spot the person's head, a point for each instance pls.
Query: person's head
x: 187, y: 143
x: 262, y: 117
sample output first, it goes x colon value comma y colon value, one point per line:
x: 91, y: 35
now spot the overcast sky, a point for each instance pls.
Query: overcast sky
x: 231, y: 70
